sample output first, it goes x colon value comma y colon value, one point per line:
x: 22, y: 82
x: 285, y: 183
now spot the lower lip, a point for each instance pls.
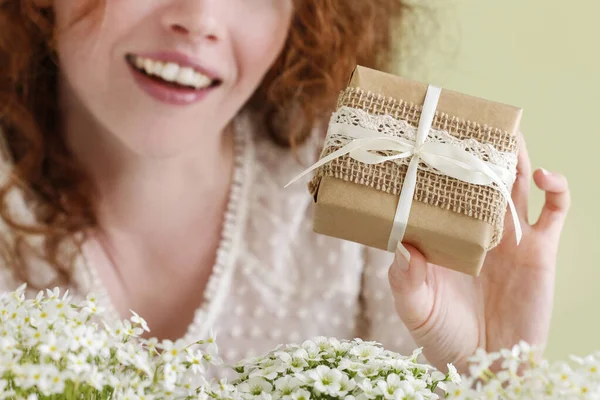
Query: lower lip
x: 168, y: 94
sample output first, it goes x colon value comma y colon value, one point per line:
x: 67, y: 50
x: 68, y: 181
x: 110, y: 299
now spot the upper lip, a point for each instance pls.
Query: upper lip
x: 181, y: 59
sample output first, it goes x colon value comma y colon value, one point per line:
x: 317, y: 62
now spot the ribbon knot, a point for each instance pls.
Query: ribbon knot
x: 444, y: 157
x: 417, y: 151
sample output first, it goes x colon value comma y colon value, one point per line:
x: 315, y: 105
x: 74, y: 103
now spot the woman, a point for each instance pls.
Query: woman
x: 148, y: 143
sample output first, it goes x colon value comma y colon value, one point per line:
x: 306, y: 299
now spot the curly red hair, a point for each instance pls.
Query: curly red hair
x: 326, y: 40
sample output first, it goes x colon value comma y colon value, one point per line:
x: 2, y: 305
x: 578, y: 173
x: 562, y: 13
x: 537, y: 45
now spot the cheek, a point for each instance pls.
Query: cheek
x: 77, y: 35
x: 258, y: 46
x: 87, y: 39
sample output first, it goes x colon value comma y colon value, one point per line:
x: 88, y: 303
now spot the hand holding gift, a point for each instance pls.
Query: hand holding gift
x: 452, y: 314
x: 406, y: 163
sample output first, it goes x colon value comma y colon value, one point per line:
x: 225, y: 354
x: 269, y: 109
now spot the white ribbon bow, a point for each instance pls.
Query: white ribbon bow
x: 444, y: 157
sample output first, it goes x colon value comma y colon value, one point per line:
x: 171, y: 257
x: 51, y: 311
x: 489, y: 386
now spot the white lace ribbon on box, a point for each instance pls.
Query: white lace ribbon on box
x: 360, y: 133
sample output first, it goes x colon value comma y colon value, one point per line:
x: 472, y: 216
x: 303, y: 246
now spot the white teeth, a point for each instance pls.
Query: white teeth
x: 202, y: 80
x: 186, y: 77
x: 148, y: 65
x: 172, y: 72
x: 157, y: 68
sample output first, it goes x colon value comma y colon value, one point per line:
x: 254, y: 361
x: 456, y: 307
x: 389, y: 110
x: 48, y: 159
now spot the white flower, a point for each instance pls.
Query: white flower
x: 512, y: 358
x: 136, y: 319
x: 346, y: 385
x: 437, y: 376
x: 7, y: 344
x: 481, y: 362
x: 417, y: 386
x: 256, y: 386
x: 72, y: 347
x: 400, y: 364
x: 269, y: 369
x: 372, y: 368
x: 590, y: 363
x: 170, y: 376
x: 78, y: 363
x: 53, y: 294
x: 94, y: 342
x: 287, y: 384
x: 454, y: 391
x: 52, y: 347
x: 211, y: 354
x: 351, y: 365
x: 409, y: 391
x: 294, y: 358
x: 151, y: 344
x: 194, y: 358
x: 301, y: 394
x: 298, y: 364
x: 42, y: 318
x: 326, y: 380
x: 327, y: 344
x: 56, y: 381
x: 453, y: 374
x: 390, y: 386
x: 300, y: 353
x: 90, y: 305
x: 562, y: 375
x: 416, y: 353
x: 172, y: 350
x: 131, y: 330
x: 366, y: 351
x: 313, y: 351
x: 370, y: 391
x: 285, y: 357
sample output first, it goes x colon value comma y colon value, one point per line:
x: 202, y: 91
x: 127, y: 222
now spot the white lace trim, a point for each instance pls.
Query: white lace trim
x: 390, y: 126
x: 234, y: 224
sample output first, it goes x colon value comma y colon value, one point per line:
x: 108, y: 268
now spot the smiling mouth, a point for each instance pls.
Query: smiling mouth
x: 171, y: 73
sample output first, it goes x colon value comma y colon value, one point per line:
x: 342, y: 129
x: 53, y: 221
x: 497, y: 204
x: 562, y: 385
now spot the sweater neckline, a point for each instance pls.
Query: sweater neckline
x: 234, y: 221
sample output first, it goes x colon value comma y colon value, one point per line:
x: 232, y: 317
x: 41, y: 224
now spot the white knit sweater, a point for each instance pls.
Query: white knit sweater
x: 275, y: 281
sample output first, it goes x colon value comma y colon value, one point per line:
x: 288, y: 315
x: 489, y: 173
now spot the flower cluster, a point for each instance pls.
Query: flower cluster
x: 327, y: 368
x: 518, y: 373
x: 53, y: 349
x: 50, y: 347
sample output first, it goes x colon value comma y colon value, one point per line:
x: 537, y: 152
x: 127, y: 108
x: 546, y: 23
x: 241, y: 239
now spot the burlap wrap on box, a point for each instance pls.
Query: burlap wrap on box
x: 484, y: 203
x: 452, y: 223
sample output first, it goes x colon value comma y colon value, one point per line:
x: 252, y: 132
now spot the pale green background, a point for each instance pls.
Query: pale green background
x: 544, y: 56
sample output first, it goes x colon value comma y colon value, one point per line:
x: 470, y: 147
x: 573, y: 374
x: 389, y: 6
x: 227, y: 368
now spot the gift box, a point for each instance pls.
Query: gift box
x: 455, y: 208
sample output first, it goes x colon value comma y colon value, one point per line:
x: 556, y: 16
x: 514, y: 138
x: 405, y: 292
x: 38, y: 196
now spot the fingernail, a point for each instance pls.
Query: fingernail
x: 402, y: 257
x: 544, y: 171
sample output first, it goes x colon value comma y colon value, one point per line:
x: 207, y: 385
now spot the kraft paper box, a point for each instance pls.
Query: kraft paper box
x: 453, y: 223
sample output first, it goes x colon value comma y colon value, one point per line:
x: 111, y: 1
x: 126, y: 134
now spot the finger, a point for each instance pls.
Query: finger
x: 408, y: 280
x: 521, y: 187
x: 558, y: 200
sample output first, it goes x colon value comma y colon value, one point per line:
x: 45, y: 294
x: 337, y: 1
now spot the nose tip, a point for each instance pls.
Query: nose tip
x: 192, y: 19
x: 182, y: 29
x: 202, y: 31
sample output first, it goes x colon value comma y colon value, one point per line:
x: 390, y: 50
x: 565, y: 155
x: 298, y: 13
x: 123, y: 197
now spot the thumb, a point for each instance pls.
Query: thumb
x: 409, y: 279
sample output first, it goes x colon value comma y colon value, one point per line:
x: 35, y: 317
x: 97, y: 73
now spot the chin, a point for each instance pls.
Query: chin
x: 162, y: 142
